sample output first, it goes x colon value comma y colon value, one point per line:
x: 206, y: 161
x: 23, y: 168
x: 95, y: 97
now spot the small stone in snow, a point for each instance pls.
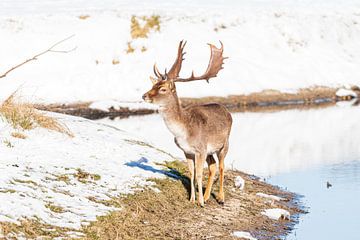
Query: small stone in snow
x: 272, y: 197
x: 239, y: 182
x: 277, y: 213
x: 240, y: 234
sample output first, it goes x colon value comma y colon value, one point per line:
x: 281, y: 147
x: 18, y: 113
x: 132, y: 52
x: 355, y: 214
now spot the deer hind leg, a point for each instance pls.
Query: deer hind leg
x: 190, y: 161
x: 212, y: 170
x: 221, y: 156
x: 199, y: 167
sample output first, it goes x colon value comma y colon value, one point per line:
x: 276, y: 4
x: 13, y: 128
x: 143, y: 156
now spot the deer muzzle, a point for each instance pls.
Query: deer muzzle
x: 147, y: 98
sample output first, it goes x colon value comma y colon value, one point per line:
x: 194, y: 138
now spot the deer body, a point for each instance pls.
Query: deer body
x: 199, y: 130
x: 202, y: 128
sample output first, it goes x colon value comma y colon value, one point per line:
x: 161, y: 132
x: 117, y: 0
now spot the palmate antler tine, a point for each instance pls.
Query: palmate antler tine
x: 176, y: 67
x: 215, y: 65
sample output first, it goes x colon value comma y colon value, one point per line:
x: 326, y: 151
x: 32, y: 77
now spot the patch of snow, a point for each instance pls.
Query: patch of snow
x: 241, y: 234
x: 239, y: 182
x: 272, y: 197
x: 106, y: 105
x: 277, y: 213
x: 42, y: 169
x: 344, y: 104
x: 342, y: 92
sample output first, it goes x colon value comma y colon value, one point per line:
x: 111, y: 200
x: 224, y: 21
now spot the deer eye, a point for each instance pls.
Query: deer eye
x: 162, y: 90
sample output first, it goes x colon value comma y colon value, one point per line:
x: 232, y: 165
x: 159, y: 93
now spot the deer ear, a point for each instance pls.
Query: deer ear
x: 153, y: 80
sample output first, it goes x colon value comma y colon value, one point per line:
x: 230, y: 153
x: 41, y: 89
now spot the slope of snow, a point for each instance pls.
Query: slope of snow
x: 284, y: 45
x: 45, y: 170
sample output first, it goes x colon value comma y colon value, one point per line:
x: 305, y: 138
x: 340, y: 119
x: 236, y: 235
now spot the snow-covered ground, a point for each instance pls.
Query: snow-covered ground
x: 276, y: 44
x: 62, y: 180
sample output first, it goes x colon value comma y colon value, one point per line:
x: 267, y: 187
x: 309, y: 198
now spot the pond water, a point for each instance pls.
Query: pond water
x: 300, y: 150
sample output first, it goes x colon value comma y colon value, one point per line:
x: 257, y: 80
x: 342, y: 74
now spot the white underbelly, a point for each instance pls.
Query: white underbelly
x: 183, y: 144
x: 211, y: 149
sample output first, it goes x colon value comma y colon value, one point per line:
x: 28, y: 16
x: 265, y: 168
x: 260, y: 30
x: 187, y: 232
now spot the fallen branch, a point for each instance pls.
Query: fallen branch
x: 50, y: 49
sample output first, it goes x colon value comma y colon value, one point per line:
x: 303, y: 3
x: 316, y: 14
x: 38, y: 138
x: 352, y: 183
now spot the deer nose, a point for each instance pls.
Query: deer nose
x: 144, y: 96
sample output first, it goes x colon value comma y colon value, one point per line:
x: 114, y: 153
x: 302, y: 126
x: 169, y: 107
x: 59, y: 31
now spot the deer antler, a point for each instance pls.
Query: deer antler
x: 176, y: 67
x: 158, y: 74
x: 215, y: 65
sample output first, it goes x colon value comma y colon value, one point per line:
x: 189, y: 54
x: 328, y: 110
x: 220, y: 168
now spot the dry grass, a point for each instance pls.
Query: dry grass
x: 115, y: 61
x: 55, y: 208
x: 169, y: 215
x: 32, y: 229
x: 139, y: 30
x: 24, y: 116
x: 18, y: 135
x: 84, y: 177
x: 8, y: 143
x: 130, y: 48
x: 84, y: 17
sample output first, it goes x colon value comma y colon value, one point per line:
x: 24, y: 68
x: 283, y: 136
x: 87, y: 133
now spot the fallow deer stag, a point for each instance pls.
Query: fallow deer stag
x: 199, y: 130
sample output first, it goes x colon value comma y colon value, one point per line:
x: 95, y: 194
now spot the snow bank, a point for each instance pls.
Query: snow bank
x: 342, y: 92
x: 64, y: 181
x: 106, y: 105
x: 246, y: 235
x: 277, y: 213
x: 284, y: 45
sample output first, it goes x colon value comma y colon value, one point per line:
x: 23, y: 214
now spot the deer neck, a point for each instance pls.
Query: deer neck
x: 172, y: 114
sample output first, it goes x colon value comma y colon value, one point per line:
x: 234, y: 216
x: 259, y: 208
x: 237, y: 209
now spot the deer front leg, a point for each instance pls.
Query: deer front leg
x: 212, y: 170
x: 190, y: 161
x: 199, y: 165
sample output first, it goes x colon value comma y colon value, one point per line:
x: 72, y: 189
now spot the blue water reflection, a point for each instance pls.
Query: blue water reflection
x: 333, y: 211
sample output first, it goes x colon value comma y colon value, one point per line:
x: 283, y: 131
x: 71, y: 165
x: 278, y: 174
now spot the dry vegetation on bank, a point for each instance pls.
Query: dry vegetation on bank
x: 24, y: 116
x: 168, y: 214
x: 269, y: 100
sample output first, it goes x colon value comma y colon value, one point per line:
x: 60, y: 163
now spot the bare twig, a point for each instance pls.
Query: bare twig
x: 50, y: 49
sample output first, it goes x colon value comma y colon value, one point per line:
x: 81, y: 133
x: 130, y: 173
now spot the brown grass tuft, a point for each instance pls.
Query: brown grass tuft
x: 18, y: 135
x: 84, y: 17
x: 141, y: 30
x: 33, y: 229
x: 25, y: 117
x: 115, y: 61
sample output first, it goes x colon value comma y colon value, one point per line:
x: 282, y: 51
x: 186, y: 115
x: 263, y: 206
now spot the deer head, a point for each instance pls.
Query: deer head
x: 163, y: 87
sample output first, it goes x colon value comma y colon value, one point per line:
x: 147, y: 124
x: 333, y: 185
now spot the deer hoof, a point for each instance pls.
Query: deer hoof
x: 192, y: 200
